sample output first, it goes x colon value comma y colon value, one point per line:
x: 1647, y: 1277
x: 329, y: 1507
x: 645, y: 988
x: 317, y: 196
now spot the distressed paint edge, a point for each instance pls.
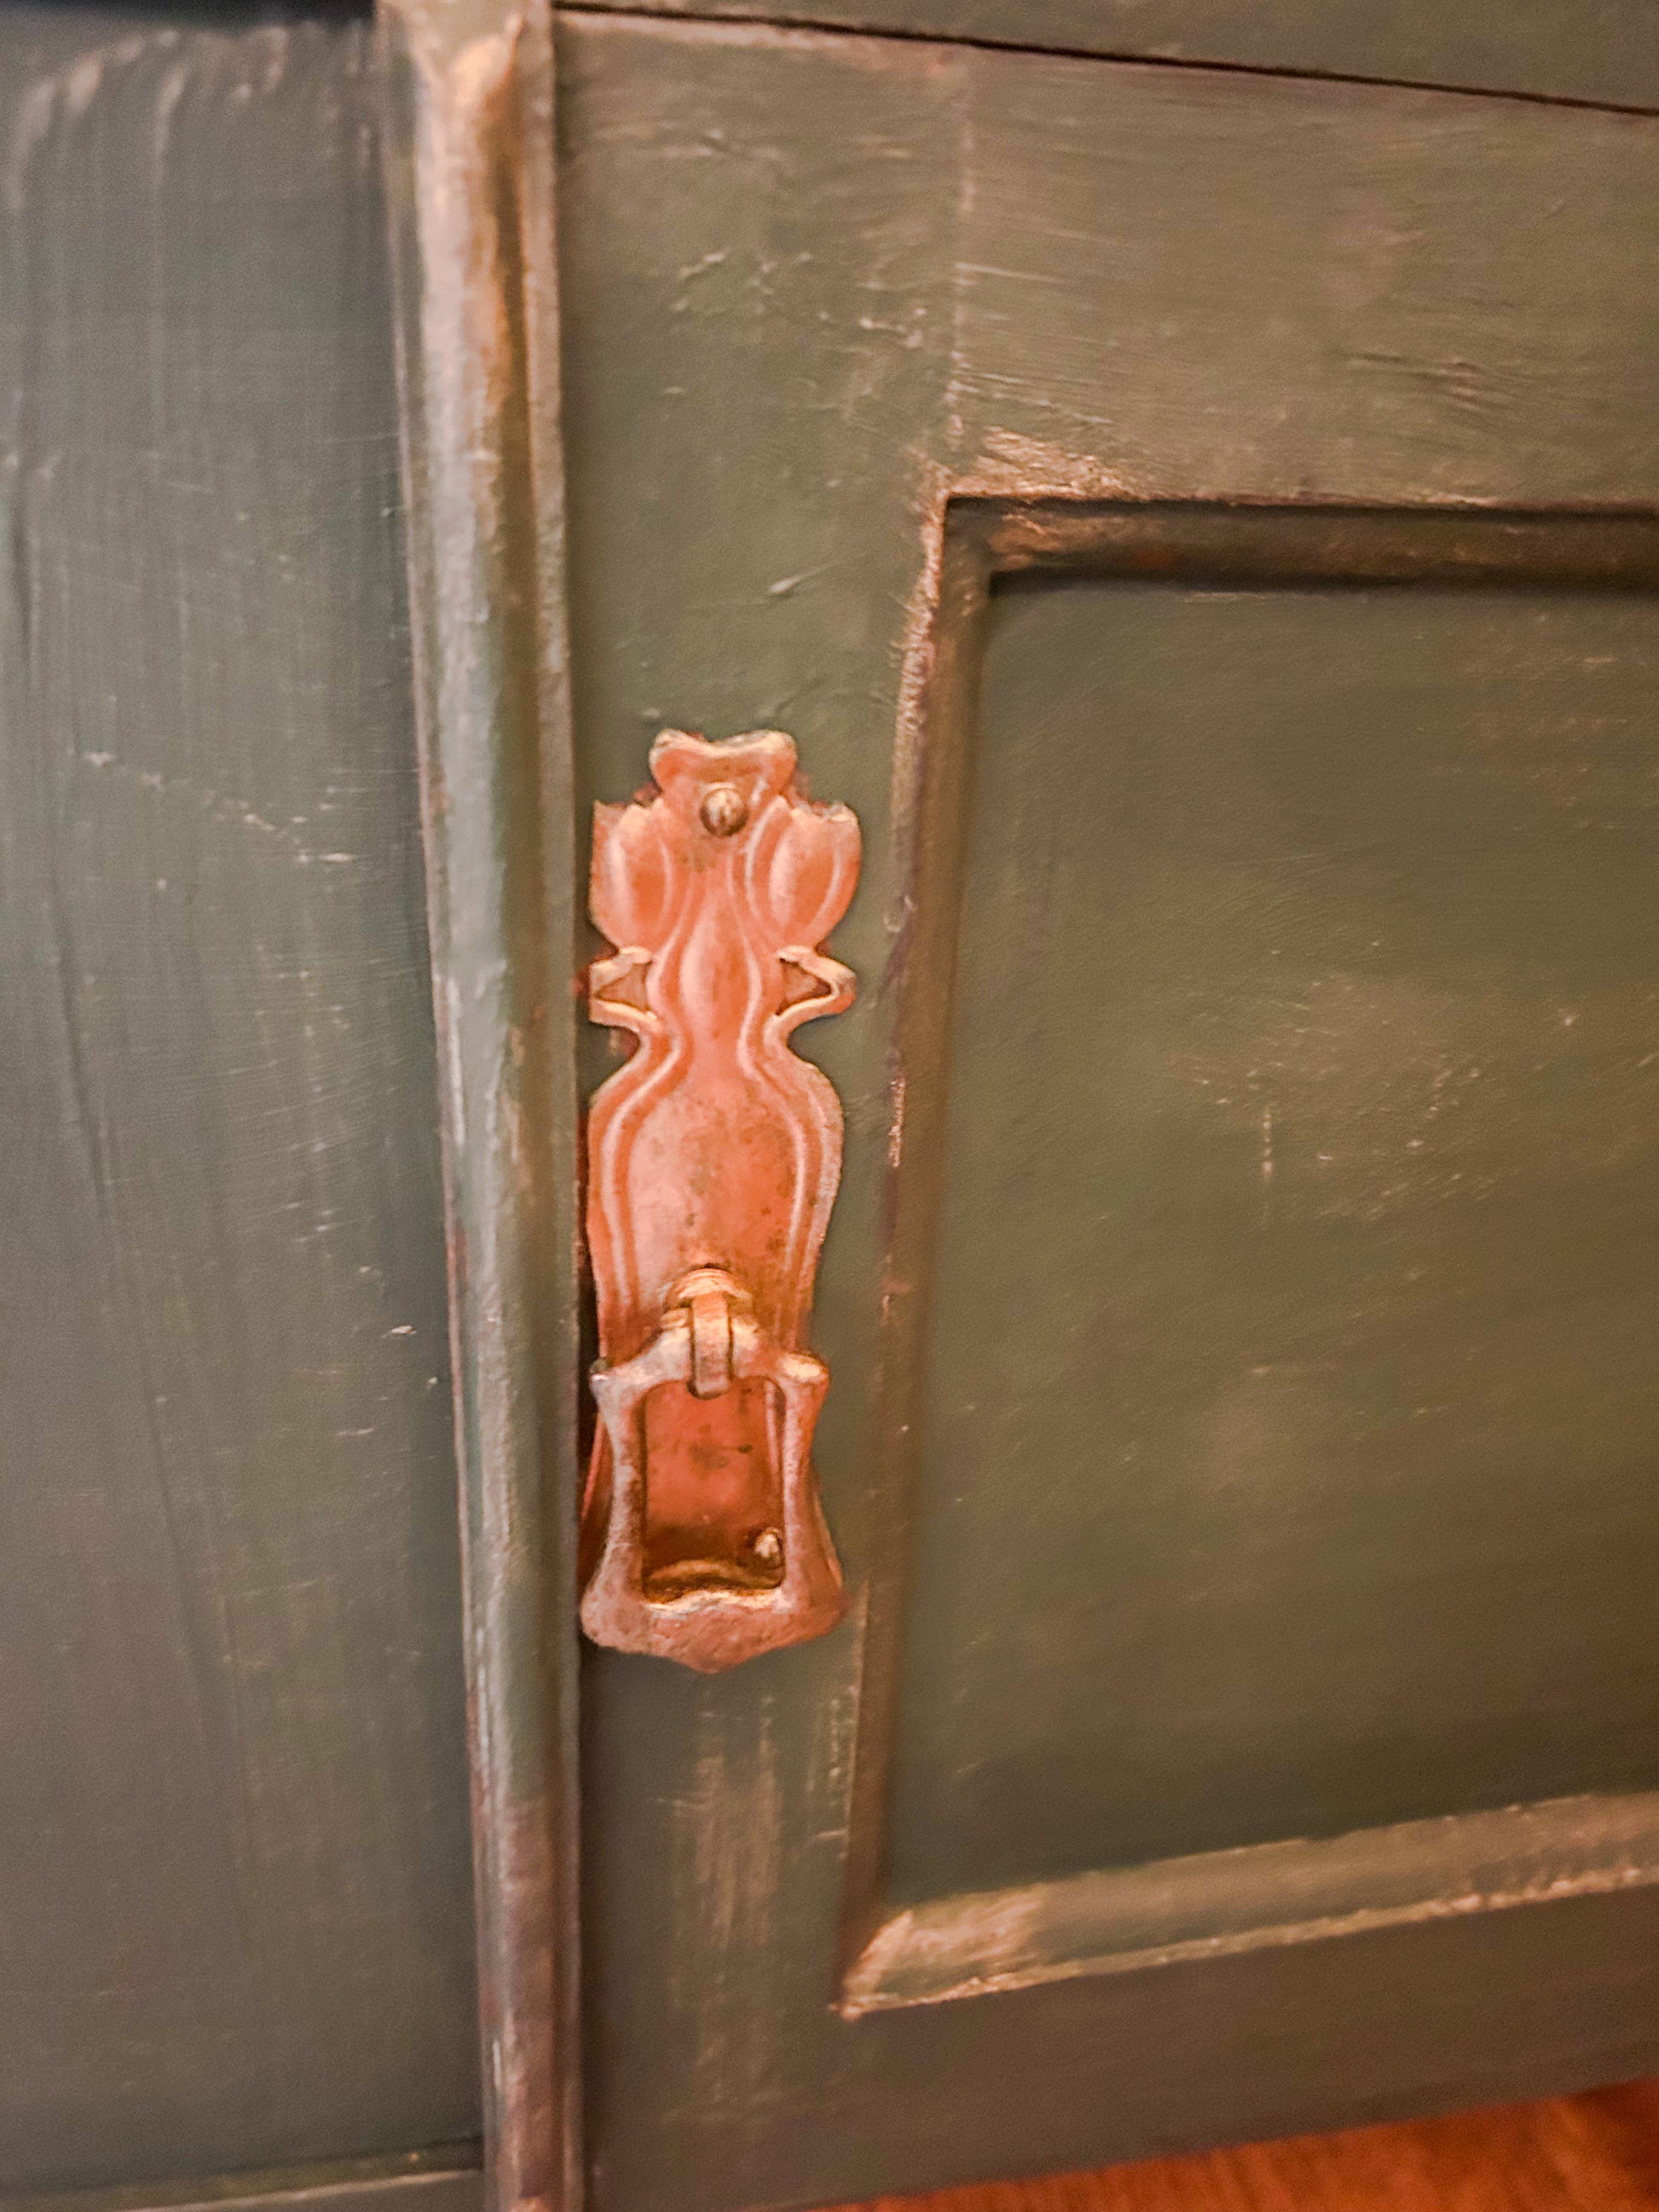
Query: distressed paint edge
x: 1024, y: 507
x: 947, y: 623
x: 447, y: 2178
x: 1219, y: 1903
x: 469, y: 165
x: 1139, y: 33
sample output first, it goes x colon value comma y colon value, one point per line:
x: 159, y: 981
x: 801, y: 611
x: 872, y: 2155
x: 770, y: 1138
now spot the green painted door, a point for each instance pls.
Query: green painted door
x: 1201, y: 522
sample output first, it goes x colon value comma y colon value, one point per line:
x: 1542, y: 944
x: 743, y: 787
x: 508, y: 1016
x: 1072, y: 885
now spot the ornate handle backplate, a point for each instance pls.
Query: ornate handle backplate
x: 713, y: 1161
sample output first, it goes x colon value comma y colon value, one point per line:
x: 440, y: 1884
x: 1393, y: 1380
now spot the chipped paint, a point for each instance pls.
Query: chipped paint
x: 471, y: 190
x: 1219, y: 1904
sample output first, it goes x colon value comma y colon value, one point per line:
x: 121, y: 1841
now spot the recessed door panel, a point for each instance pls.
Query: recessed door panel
x: 1287, y: 1463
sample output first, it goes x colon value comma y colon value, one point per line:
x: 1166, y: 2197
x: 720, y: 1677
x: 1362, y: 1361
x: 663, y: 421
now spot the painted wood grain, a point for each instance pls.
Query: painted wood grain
x: 1276, y: 1480
x: 235, y: 1920
x: 447, y: 2177
x: 1607, y: 51
x: 815, y: 287
x: 468, y: 163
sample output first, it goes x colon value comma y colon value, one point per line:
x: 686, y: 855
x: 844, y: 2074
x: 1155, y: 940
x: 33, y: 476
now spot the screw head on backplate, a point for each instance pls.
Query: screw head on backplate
x: 724, y: 810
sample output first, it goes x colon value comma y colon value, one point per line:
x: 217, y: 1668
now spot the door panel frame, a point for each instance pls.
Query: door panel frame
x: 1538, y: 50
x: 471, y: 178
x: 447, y: 2178
x: 1213, y: 1904
x: 469, y: 156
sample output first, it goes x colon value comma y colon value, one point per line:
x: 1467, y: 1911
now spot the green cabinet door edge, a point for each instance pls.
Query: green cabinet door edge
x: 470, y: 155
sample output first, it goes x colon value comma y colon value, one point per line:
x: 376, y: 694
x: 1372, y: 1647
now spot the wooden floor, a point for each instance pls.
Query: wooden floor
x: 1596, y: 2153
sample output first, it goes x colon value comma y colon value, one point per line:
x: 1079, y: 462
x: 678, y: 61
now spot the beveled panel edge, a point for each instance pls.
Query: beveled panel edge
x: 1244, y: 543
x: 979, y: 529
x: 939, y: 699
x: 1536, y: 50
x: 446, y: 2179
x: 1217, y: 1903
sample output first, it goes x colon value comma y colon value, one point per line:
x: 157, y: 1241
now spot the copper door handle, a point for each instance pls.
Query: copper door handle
x: 713, y: 1158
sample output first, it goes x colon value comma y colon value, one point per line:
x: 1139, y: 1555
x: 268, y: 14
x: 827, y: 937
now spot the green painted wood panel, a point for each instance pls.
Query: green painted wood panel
x: 235, y: 1920
x: 1606, y: 51
x: 1288, y: 1431
x: 811, y: 284
x: 449, y: 2179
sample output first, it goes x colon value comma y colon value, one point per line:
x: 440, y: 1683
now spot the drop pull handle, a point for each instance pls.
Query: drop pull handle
x: 714, y: 1159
